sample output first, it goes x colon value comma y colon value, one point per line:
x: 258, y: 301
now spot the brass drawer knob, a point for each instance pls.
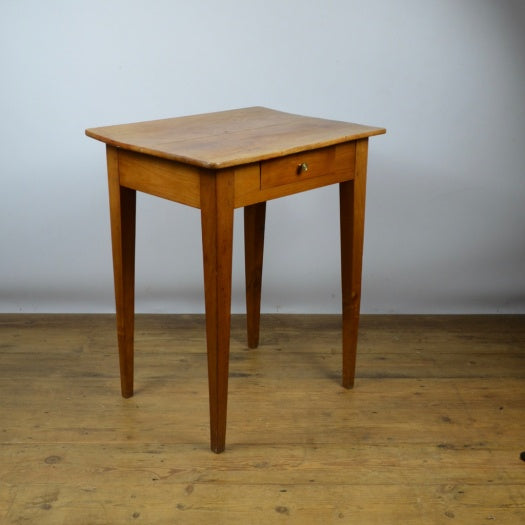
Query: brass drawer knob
x: 302, y: 168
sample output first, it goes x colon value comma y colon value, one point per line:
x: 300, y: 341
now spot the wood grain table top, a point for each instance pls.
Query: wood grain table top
x: 230, y: 138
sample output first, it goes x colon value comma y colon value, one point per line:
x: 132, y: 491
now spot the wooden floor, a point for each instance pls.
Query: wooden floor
x: 431, y: 433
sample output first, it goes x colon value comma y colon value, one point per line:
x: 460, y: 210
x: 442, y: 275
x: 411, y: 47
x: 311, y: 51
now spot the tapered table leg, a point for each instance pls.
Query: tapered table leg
x: 254, y: 219
x: 122, y: 203
x: 217, y: 243
x: 352, y: 215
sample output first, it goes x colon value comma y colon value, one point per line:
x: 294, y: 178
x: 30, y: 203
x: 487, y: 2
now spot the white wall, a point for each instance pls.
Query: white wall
x: 445, y: 228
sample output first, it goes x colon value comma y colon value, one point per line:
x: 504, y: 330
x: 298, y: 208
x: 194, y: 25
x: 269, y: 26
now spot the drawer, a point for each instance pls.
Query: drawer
x: 338, y: 160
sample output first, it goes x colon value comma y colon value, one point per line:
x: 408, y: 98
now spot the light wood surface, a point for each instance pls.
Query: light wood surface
x: 431, y: 433
x: 352, y: 225
x: 217, y: 242
x: 167, y: 179
x: 216, y: 162
x: 319, y: 163
x: 122, y: 207
x: 230, y: 138
x: 254, y: 223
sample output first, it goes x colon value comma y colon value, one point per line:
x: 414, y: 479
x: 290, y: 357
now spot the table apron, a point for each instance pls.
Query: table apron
x: 160, y: 177
x: 253, y: 183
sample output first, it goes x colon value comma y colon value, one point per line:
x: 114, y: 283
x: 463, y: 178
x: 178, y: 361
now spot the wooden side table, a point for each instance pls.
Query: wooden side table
x: 218, y: 162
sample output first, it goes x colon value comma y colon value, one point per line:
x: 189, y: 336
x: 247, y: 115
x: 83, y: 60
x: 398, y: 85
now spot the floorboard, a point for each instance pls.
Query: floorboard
x: 431, y: 433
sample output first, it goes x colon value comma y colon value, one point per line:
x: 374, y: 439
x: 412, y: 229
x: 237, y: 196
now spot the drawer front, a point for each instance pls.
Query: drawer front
x: 333, y: 160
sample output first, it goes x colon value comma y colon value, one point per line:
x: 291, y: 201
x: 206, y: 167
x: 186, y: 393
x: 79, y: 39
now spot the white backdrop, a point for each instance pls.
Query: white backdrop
x: 445, y: 224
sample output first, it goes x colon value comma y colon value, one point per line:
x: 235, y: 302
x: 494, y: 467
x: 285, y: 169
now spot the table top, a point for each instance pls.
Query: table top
x: 230, y: 138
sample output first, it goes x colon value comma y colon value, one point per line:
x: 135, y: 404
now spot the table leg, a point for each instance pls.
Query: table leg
x: 254, y: 219
x: 122, y: 202
x: 352, y: 215
x: 217, y: 243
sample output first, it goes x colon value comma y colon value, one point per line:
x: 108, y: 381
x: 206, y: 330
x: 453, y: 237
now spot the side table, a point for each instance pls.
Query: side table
x: 218, y: 162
